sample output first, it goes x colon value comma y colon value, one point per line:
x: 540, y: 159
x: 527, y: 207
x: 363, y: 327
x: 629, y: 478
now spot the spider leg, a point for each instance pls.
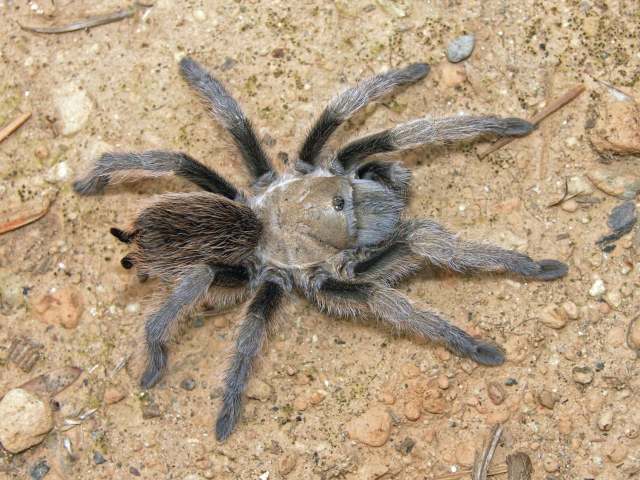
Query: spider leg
x: 364, y: 299
x: 393, y: 175
x: 443, y: 249
x: 190, y: 292
x: 420, y: 242
x: 251, y: 336
x: 426, y: 131
x: 227, y: 111
x: 112, y: 168
x: 347, y: 103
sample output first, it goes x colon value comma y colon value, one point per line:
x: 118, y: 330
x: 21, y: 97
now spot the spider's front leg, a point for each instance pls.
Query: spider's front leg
x: 188, y: 294
x: 251, y: 336
x: 369, y: 299
x: 443, y: 249
x: 421, y: 242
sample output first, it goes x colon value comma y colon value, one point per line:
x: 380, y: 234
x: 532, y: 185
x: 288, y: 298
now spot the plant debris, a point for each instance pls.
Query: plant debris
x: 25, y: 216
x: 553, y: 106
x: 51, y: 383
x: 24, y: 352
x: 621, y: 221
x: 13, y: 125
x: 89, y: 22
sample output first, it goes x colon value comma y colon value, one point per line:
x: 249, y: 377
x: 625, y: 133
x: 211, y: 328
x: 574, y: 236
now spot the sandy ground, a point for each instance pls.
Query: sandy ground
x: 284, y: 61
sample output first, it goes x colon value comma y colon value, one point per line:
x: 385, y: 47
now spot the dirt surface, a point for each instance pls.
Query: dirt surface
x: 568, y: 394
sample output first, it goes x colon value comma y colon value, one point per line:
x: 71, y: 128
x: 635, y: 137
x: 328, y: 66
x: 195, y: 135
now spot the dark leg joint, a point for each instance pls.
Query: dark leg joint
x: 124, y: 237
x: 126, y: 262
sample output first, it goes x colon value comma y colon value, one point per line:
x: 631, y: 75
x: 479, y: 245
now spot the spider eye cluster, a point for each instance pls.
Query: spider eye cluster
x: 338, y: 203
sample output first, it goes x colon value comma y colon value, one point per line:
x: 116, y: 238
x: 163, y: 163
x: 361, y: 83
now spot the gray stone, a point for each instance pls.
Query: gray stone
x: 461, y: 48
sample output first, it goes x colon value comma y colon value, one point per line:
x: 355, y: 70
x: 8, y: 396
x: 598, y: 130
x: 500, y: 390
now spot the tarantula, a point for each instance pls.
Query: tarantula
x: 330, y: 228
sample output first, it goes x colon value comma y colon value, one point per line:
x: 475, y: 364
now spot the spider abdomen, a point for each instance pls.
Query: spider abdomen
x: 181, y: 230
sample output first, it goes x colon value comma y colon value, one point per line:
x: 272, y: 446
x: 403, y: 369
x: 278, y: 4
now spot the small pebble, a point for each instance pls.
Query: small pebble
x: 460, y: 48
x: 553, y: 317
x: 406, y: 446
x: 200, y: 15
x: 301, y: 403
x: 434, y: 403
x: 582, y: 375
x: 599, y: 366
x: 412, y: 410
x: 453, y: 75
x: 547, y: 399
x: 605, y: 421
x: 41, y: 152
x: 618, y: 453
x: 496, y: 393
x: 569, y: 206
x: 564, y: 426
x: 551, y: 465
x: 150, y: 410
x: 40, y: 470
x: 571, y: 310
x: 134, y: 471
x: 63, y: 307
x: 410, y: 370
x: 613, y: 299
x: 443, y: 382
x: 188, y: 384
x: 98, y: 459
x: 259, y: 390
x: 633, y: 334
x: 598, y: 288
x: 509, y: 382
x: 112, y: 395
x: 286, y: 464
x: 388, y: 398
x: 317, y: 397
x: 371, y: 428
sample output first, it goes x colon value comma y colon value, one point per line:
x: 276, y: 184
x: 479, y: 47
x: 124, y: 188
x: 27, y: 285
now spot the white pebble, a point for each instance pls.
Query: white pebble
x: 598, y: 288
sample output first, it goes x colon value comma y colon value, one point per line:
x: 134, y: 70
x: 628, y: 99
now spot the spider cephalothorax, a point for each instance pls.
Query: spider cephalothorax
x: 330, y: 228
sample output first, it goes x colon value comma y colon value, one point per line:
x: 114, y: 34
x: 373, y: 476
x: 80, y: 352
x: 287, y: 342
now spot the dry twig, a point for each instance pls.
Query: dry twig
x: 482, y: 461
x: 14, y: 125
x: 85, y: 23
x: 23, y: 219
x: 553, y: 106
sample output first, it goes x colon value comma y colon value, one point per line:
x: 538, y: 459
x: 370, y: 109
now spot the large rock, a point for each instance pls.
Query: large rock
x: 24, y: 420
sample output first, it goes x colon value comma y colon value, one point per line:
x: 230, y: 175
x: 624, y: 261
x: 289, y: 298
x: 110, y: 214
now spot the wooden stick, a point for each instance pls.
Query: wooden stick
x: 24, y: 220
x: 84, y: 24
x: 14, y: 125
x: 482, y: 462
x: 553, y: 106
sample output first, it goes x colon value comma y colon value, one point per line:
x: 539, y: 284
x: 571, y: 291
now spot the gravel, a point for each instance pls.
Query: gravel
x: 461, y: 48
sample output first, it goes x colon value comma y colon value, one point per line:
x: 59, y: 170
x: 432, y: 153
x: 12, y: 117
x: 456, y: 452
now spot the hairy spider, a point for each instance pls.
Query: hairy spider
x: 330, y: 228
